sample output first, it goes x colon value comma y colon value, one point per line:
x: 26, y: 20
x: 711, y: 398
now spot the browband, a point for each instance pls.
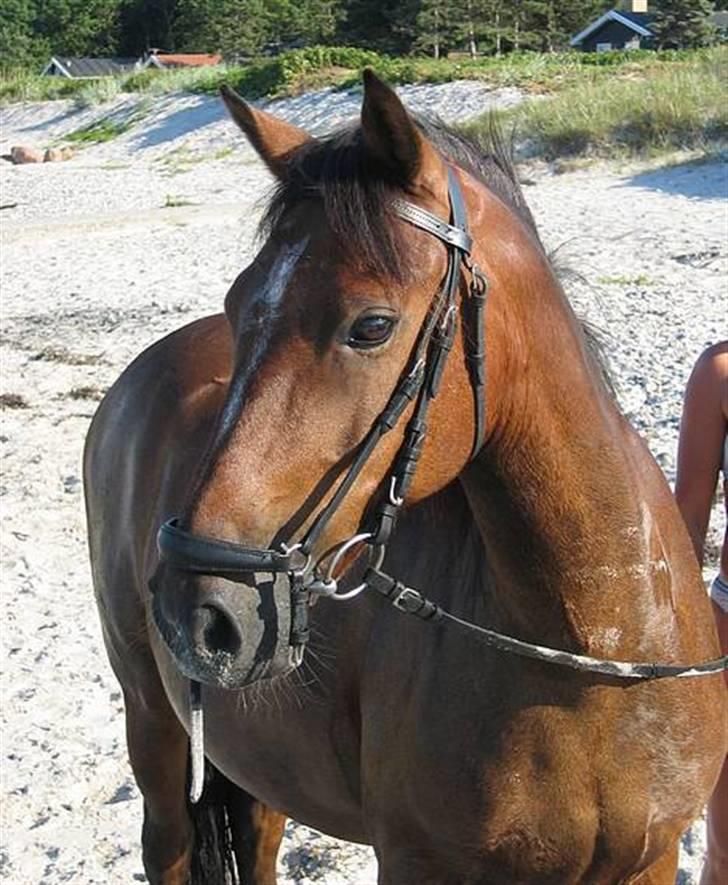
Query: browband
x: 448, y: 233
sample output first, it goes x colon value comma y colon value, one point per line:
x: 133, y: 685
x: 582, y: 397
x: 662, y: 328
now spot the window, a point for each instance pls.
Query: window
x: 603, y: 47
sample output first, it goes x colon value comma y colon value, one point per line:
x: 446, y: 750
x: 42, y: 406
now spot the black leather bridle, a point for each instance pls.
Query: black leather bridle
x: 420, y: 383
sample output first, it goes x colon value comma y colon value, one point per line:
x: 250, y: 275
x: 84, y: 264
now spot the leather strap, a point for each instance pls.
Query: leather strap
x: 412, y: 602
x: 420, y: 384
x: 421, y: 218
x: 210, y: 556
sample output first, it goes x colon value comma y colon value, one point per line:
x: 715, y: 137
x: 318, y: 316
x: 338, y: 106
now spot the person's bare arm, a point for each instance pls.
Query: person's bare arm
x: 702, y: 431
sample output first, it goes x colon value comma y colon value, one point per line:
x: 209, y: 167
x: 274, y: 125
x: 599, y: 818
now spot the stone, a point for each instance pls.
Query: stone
x: 20, y: 154
x: 56, y: 155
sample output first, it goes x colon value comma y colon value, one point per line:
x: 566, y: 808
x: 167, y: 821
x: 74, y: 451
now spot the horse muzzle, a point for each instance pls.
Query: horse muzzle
x: 220, y: 632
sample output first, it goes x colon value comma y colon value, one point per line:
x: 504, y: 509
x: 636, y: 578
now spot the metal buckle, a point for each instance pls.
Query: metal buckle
x: 404, y: 599
x: 479, y: 283
x: 322, y: 587
x: 307, y: 558
x: 448, y: 321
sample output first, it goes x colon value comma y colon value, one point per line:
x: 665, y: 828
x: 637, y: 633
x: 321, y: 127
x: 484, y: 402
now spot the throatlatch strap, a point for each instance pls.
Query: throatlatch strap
x: 474, y: 309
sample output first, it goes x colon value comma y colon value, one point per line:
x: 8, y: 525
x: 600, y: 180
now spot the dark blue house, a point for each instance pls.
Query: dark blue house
x: 617, y: 29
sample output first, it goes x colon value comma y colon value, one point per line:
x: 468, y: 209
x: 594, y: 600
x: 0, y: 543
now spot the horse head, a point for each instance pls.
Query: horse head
x: 332, y: 322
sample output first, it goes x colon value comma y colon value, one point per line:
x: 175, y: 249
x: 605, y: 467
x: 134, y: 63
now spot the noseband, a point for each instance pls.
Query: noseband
x: 419, y: 384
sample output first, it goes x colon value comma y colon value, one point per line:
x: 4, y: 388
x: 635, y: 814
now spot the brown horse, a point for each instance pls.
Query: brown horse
x: 457, y: 761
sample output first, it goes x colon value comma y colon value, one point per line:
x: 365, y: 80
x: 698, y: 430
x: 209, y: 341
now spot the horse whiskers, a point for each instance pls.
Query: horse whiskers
x: 321, y: 661
x: 294, y: 687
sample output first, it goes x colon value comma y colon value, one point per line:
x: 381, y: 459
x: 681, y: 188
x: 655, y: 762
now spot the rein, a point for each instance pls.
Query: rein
x: 420, y: 383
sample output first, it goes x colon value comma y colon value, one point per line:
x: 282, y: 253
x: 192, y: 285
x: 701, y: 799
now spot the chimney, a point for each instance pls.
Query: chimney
x: 638, y: 5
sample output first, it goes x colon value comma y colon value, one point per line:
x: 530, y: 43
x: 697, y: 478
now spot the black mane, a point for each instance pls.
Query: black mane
x: 357, y: 194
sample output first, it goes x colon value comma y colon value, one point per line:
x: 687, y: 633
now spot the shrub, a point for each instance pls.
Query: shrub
x: 97, y: 92
x: 341, y: 66
x: 680, y: 106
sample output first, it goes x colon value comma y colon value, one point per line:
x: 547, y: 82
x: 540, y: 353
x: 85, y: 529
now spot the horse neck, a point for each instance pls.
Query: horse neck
x: 560, y: 491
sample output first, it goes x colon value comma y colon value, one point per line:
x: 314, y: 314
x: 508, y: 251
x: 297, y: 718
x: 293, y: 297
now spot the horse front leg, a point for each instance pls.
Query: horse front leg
x: 663, y: 871
x: 158, y: 751
x: 257, y: 832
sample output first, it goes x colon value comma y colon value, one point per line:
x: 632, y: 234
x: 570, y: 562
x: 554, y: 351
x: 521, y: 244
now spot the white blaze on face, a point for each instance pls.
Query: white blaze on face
x: 263, y: 306
x: 259, y: 318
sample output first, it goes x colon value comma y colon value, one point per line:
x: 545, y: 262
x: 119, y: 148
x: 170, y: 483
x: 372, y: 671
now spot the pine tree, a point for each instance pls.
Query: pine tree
x: 384, y: 25
x: 78, y: 27
x: 232, y: 27
x: 20, y: 46
x: 302, y: 21
x: 147, y: 24
x: 682, y: 24
x: 434, y: 27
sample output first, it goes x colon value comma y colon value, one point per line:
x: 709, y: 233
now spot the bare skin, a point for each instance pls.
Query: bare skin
x: 703, y: 430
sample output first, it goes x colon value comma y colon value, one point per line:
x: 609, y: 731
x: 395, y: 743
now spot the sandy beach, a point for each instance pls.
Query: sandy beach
x: 104, y: 254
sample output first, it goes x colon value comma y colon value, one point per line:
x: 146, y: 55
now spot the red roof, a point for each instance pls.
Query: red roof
x: 187, y: 60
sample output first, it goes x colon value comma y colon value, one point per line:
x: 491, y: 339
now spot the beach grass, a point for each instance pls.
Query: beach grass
x: 599, y: 104
x: 99, y: 132
x: 316, y: 67
x: 658, y: 109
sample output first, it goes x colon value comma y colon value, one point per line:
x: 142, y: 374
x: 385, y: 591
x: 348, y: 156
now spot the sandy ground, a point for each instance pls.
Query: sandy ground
x: 104, y: 254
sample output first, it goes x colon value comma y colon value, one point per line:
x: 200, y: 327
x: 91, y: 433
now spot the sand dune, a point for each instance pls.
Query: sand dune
x: 104, y: 254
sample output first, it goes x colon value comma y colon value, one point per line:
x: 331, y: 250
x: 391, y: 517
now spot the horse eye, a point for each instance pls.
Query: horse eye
x: 370, y: 331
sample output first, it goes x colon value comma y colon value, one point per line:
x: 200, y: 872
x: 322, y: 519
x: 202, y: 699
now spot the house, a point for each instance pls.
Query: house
x: 90, y: 68
x: 617, y: 29
x: 165, y: 60
x: 719, y: 20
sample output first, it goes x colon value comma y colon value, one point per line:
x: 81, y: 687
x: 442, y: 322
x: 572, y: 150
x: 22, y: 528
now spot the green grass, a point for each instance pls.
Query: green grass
x: 639, y: 280
x: 109, y: 127
x: 340, y: 67
x: 600, y: 104
x: 96, y: 92
x: 643, y: 112
x: 176, y: 201
x: 182, y: 159
x: 20, y: 85
x: 99, y: 132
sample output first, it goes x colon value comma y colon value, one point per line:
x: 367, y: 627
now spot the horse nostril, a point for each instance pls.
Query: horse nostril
x: 213, y: 629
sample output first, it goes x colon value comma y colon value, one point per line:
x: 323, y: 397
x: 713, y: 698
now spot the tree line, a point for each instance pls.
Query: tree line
x: 33, y: 30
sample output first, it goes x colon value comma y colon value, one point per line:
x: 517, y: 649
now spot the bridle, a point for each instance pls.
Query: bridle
x: 418, y: 385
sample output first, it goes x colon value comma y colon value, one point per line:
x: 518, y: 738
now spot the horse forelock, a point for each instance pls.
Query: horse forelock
x: 356, y: 196
x: 356, y: 192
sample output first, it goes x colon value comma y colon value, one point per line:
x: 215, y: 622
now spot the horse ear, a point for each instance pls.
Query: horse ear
x: 273, y: 139
x: 392, y: 137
